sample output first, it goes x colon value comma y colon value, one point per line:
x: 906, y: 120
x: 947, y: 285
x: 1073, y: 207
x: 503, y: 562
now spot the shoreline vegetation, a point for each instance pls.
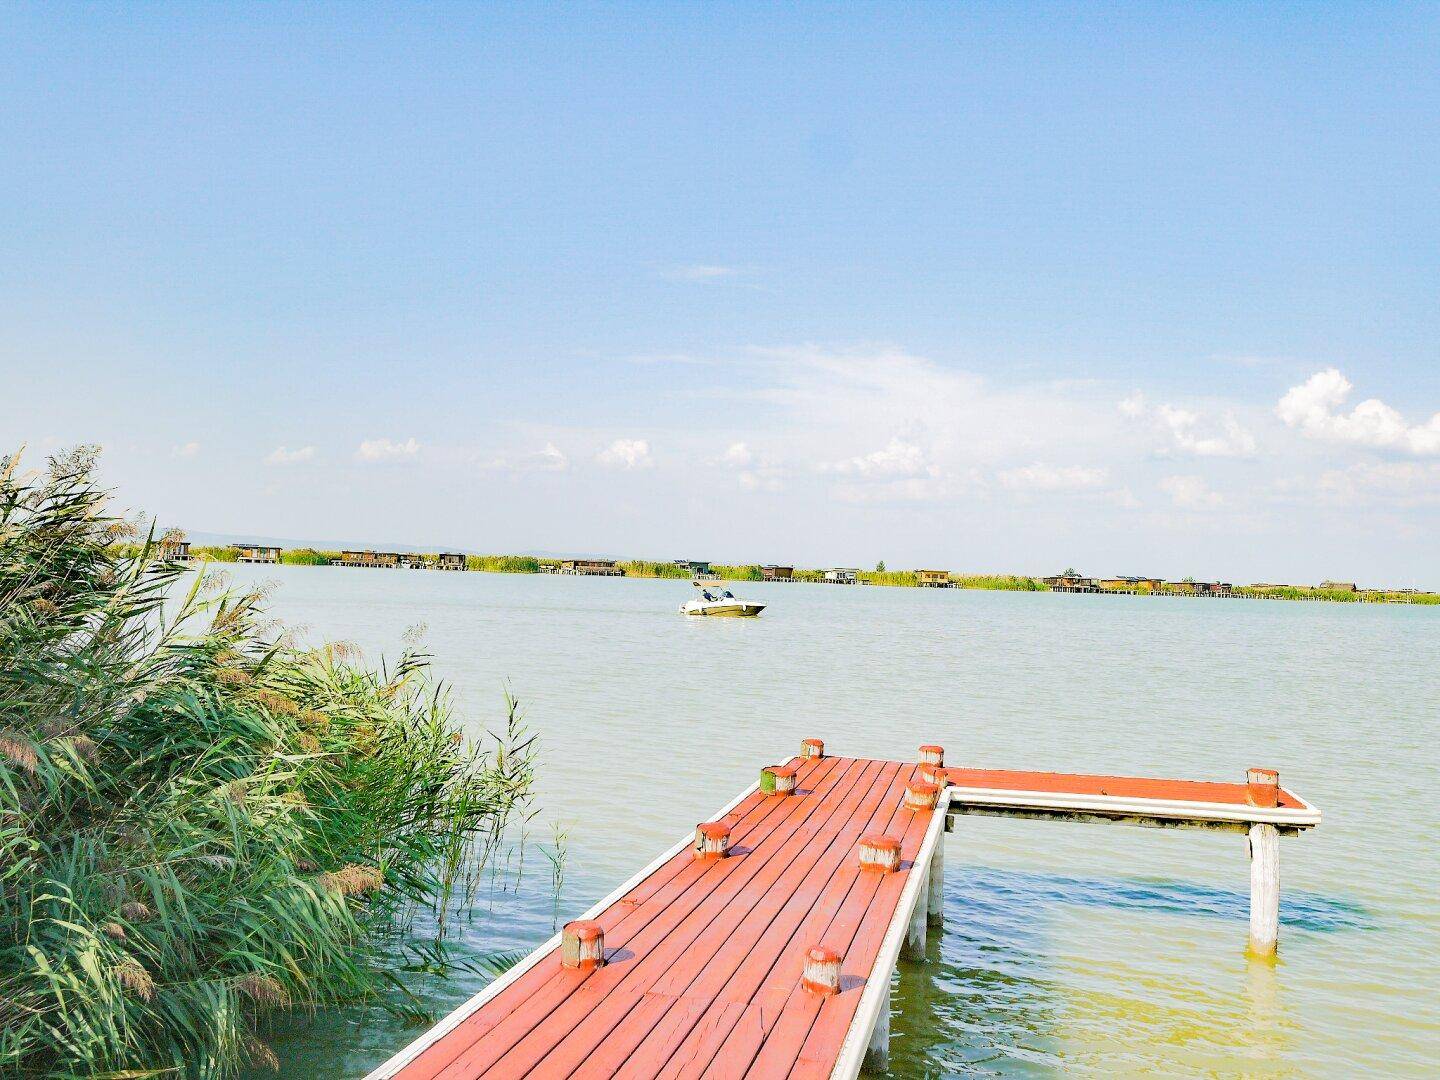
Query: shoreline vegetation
x: 202, y: 824
x: 644, y: 568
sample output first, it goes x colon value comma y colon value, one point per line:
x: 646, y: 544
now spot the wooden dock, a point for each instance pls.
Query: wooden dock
x: 763, y: 944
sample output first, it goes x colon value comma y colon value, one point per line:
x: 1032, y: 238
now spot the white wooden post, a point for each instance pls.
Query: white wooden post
x: 914, y: 947
x: 935, y: 902
x: 1264, y: 890
x: 877, y: 1053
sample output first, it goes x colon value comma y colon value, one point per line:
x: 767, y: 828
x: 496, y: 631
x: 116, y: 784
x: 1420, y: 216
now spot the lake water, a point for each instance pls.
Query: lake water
x: 1068, y: 948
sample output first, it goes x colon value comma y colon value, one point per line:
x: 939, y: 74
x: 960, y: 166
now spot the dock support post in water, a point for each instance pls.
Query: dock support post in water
x: 935, y: 899
x: 1263, y: 789
x: 877, y: 1051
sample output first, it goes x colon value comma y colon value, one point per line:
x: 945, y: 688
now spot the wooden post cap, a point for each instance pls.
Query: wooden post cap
x: 880, y: 853
x: 921, y: 796
x: 812, y: 748
x: 932, y: 755
x: 778, y: 779
x: 582, y: 945
x: 712, y: 840
x: 933, y: 774
x: 822, y: 970
x: 1262, y: 787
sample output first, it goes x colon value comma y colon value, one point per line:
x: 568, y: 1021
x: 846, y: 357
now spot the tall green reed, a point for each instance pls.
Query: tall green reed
x: 200, y: 822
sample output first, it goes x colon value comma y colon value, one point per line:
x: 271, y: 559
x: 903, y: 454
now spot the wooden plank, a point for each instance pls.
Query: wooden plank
x: 703, y: 933
x: 529, y: 1033
x: 770, y: 975
x: 619, y: 921
x: 734, y: 976
x: 1131, y: 787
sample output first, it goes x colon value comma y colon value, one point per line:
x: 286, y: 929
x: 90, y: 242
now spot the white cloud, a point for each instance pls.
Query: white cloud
x: 1406, y: 483
x: 1190, y: 492
x: 388, y: 450
x: 738, y: 454
x: 897, y: 460
x: 763, y: 479
x: 283, y: 455
x: 185, y: 450
x: 1312, y: 406
x: 626, y: 454
x: 703, y: 272
x: 1188, y: 431
x: 1042, y: 477
x: 549, y: 459
x: 1133, y: 406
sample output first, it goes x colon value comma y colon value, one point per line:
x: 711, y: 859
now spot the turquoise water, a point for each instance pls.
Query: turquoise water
x: 1068, y: 948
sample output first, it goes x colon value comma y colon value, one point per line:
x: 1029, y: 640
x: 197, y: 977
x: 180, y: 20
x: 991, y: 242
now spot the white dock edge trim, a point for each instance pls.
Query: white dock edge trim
x: 1299, y: 817
x: 413, y: 1050
x: 876, y: 995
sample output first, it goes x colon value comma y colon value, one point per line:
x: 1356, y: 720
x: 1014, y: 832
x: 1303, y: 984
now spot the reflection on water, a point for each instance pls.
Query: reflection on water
x: 1068, y: 948
x: 989, y: 1000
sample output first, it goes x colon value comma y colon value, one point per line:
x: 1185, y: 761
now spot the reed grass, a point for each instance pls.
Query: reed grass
x: 1000, y: 582
x: 308, y: 557
x: 201, y: 824
x: 648, y: 568
x: 503, y: 564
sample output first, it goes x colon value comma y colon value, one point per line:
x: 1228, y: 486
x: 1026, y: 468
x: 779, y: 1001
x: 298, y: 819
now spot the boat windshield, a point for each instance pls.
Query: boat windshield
x: 727, y: 595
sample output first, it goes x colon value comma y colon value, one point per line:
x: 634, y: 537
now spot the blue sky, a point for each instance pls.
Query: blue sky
x: 978, y: 286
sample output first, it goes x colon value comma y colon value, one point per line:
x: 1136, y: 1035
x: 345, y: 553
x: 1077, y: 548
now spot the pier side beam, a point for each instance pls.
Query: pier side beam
x: 877, y: 1053
x: 935, y: 901
x: 1264, y: 890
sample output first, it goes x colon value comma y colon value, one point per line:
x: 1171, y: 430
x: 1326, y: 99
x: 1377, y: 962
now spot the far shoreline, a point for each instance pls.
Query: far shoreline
x: 174, y: 547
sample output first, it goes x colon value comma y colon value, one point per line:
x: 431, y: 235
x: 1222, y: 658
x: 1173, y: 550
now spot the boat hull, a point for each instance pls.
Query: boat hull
x: 726, y: 611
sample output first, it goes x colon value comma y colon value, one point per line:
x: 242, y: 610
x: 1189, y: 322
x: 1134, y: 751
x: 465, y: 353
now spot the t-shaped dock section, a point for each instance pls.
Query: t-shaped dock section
x: 763, y: 943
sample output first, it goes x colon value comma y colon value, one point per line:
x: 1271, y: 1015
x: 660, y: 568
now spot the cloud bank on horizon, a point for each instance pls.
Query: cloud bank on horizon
x: 869, y: 443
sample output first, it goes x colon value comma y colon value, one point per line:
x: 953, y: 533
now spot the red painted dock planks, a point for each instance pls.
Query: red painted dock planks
x: 1131, y: 787
x: 704, y: 957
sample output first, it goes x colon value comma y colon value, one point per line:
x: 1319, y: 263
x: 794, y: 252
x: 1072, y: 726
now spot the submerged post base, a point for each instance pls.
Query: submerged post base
x: 1264, y: 890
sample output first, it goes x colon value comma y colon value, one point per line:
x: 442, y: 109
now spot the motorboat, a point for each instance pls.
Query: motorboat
x: 713, y: 600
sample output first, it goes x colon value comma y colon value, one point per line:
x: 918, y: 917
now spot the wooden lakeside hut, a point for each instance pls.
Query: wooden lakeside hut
x: 449, y: 560
x: 1340, y: 586
x: 174, y: 551
x: 256, y: 553
x: 777, y: 573
x: 371, y: 559
x: 591, y: 567
x: 1129, y: 584
x: 933, y: 579
x: 1202, y: 588
x: 1070, y: 583
x: 696, y: 568
x: 841, y: 576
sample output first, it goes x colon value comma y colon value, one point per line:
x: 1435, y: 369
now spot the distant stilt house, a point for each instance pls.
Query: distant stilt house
x: 842, y: 576
x: 698, y: 568
x: 1127, y: 584
x: 777, y: 573
x: 933, y: 579
x: 449, y: 560
x: 373, y: 559
x: 1202, y: 588
x: 174, y: 551
x: 256, y: 553
x: 1071, y: 583
x: 591, y: 567
x: 1340, y: 586
x: 412, y: 560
